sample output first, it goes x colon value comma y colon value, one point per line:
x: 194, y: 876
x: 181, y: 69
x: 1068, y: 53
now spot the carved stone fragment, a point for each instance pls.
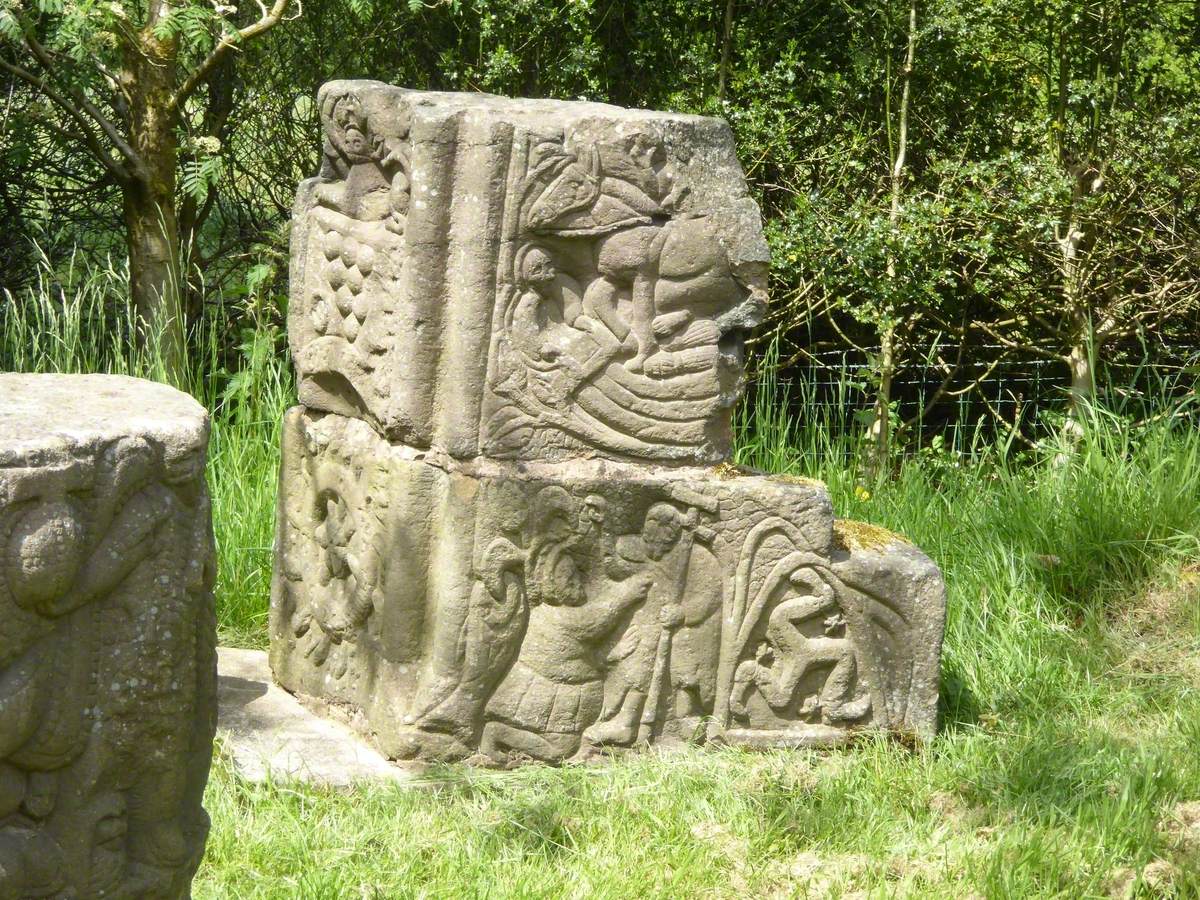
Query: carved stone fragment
x: 507, y: 527
x: 525, y: 279
x: 546, y: 610
x: 107, y: 638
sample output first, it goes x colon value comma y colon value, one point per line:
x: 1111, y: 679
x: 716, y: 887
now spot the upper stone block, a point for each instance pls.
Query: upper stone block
x: 525, y: 279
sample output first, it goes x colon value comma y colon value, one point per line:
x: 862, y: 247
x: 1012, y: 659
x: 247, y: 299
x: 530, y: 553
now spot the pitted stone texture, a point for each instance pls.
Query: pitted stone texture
x: 525, y: 279
x: 107, y: 637
x: 521, y: 610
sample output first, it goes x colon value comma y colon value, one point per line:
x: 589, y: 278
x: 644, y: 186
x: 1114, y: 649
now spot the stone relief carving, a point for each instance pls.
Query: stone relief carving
x: 623, y: 317
x: 107, y: 644
x: 340, y: 511
x: 605, y: 606
x: 518, y: 329
x: 353, y: 249
x: 525, y: 279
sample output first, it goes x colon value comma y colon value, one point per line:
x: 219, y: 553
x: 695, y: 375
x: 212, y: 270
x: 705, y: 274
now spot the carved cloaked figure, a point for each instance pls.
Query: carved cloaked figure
x: 495, y: 622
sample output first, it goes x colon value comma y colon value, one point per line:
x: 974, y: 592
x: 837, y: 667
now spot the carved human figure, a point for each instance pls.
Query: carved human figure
x: 555, y: 688
x: 695, y: 645
x: 787, y: 655
x: 546, y: 326
x: 666, y: 627
x: 494, y: 625
x: 366, y: 173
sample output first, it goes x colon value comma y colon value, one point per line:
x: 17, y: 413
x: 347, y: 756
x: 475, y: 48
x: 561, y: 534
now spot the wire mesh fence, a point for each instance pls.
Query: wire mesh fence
x: 836, y: 388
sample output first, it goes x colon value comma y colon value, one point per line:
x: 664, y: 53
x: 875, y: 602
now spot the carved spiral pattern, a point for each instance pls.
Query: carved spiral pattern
x: 44, y: 552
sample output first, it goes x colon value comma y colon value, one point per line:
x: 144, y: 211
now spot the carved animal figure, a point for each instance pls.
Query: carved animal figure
x: 788, y: 654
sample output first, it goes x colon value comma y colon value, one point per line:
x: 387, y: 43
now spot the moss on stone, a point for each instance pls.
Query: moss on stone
x: 727, y: 471
x: 798, y: 479
x: 849, y: 534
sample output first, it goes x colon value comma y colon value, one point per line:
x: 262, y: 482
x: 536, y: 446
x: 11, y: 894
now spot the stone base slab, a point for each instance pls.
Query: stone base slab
x: 270, y: 735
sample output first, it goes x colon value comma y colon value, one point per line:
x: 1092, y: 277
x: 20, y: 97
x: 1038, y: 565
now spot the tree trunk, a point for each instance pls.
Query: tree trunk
x: 152, y: 228
x: 726, y: 35
x: 153, y: 241
x: 880, y: 433
x: 1078, y: 359
x: 1083, y: 387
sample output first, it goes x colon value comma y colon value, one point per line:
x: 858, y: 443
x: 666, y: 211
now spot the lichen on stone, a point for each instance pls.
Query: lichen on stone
x: 850, y: 534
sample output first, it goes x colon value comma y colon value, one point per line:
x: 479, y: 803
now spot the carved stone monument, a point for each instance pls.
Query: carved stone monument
x: 107, y: 638
x: 507, y: 526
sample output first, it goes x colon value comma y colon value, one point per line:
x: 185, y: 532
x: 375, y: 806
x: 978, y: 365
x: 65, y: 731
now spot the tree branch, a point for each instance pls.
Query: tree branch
x: 119, y: 171
x: 269, y: 19
x: 110, y: 130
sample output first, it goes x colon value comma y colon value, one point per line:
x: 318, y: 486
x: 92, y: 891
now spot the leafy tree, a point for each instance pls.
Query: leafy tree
x: 140, y: 85
x: 987, y: 245
x: 1101, y: 224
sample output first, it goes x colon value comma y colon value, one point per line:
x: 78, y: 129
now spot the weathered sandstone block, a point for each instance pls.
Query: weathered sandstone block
x: 541, y: 610
x: 107, y: 638
x: 507, y: 527
x: 525, y: 279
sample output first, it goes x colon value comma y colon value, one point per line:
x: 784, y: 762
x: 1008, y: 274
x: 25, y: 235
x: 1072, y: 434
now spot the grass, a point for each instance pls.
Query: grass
x: 1066, y: 765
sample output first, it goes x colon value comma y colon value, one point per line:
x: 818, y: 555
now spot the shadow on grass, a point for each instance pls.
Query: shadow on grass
x: 1061, y: 777
x: 958, y: 706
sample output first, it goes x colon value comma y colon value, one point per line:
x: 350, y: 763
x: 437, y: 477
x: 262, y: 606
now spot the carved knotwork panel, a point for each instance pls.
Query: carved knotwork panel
x: 107, y: 653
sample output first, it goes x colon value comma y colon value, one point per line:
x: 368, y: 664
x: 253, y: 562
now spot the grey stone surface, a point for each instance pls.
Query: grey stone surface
x: 547, y: 610
x: 269, y: 734
x: 107, y: 638
x: 525, y: 279
x: 507, y: 524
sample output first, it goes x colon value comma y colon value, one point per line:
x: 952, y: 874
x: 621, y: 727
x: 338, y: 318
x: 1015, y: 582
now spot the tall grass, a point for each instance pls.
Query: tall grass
x: 1036, y: 547
x: 80, y: 319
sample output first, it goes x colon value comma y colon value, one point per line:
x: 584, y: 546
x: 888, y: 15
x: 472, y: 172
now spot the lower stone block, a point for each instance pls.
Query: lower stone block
x: 107, y: 638
x: 513, y: 611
